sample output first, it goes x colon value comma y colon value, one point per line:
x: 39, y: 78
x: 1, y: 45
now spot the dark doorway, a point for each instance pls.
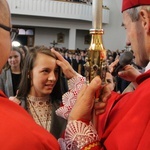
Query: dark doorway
x: 22, y: 39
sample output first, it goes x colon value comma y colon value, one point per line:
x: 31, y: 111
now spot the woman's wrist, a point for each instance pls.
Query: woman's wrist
x: 73, y: 75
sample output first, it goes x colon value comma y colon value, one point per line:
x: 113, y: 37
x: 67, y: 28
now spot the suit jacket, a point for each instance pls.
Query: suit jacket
x: 58, y: 124
x: 6, y: 82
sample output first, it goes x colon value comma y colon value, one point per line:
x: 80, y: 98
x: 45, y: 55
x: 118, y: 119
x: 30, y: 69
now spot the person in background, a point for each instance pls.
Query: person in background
x: 11, y: 74
x: 82, y: 62
x: 110, y: 80
x: 75, y: 62
x: 66, y: 56
x: 23, y: 50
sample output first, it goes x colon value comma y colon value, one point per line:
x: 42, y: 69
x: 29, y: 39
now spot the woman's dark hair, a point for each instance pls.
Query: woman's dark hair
x: 24, y: 49
x: 7, y: 66
x: 25, y: 84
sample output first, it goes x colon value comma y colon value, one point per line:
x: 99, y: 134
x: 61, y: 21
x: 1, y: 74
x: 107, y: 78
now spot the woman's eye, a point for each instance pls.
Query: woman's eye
x: 108, y: 81
x: 15, y: 56
x: 45, y: 71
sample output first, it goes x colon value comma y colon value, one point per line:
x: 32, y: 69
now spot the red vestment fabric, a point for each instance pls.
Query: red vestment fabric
x: 18, y: 131
x: 126, y: 4
x: 126, y: 123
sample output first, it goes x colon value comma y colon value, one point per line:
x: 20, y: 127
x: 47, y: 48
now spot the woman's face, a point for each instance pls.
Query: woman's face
x: 110, y: 82
x: 44, y: 75
x: 5, y: 46
x: 14, y: 59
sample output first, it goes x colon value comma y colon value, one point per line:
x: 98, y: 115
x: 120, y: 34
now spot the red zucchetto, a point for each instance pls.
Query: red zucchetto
x: 126, y: 4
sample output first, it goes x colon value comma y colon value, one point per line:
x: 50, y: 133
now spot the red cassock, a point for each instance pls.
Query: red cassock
x: 126, y: 123
x: 18, y: 131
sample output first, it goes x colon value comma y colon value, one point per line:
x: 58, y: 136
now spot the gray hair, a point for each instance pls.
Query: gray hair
x: 134, y: 12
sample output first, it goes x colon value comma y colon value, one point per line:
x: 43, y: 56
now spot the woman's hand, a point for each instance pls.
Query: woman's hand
x: 67, y: 69
x: 15, y: 100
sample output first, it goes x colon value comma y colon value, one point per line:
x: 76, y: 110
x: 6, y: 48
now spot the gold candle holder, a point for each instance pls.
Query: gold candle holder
x: 96, y: 61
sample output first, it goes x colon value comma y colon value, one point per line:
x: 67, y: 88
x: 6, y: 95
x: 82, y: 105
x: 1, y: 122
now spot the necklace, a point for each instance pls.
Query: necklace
x: 40, y: 110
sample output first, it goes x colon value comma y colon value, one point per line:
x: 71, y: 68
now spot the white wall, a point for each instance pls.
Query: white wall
x: 114, y: 36
x: 45, y: 36
x: 47, y: 28
x: 80, y: 39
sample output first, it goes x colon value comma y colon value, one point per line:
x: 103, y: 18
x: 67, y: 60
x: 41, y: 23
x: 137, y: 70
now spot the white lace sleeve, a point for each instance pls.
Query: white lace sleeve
x: 68, y: 99
x: 79, y: 135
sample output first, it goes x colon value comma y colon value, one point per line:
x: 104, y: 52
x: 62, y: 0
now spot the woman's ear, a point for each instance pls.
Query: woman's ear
x: 145, y: 18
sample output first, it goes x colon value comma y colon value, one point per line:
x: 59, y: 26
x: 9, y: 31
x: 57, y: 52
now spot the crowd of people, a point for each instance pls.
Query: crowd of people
x: 56, y: 99
x: 89, y: 2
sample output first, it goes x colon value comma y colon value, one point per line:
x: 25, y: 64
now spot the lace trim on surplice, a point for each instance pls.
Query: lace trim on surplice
x: 77, y: 135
